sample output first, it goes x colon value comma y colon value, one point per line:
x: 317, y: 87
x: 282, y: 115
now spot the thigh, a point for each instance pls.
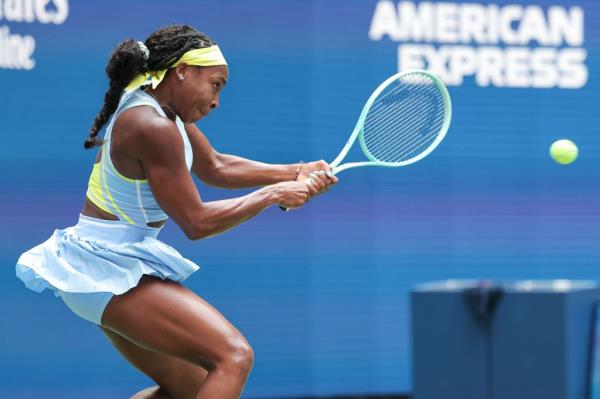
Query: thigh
x: 178, y: 378
x: 166, y: 317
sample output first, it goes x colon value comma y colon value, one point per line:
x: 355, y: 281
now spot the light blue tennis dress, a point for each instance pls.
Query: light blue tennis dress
x: 87, y: 264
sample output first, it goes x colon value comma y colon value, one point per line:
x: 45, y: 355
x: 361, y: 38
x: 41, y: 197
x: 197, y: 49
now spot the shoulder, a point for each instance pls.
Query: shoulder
x: 149, y: 132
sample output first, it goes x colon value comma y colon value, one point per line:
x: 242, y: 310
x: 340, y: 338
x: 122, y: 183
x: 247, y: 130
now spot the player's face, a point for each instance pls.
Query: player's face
x: 200, y: 91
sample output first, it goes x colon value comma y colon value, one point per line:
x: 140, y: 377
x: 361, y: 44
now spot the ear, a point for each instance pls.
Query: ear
x: 181, y: 70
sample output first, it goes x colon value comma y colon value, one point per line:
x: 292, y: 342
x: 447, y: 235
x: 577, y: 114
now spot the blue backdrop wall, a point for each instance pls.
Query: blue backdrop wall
x: 320, y: 293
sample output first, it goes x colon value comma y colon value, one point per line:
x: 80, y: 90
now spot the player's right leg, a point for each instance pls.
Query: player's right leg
x: 165, y: 317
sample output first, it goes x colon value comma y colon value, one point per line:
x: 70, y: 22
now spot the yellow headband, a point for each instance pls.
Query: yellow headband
x: 208, y: 56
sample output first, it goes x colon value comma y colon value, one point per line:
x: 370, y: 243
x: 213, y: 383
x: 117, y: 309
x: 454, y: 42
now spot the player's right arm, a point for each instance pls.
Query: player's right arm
x: 161, y: 153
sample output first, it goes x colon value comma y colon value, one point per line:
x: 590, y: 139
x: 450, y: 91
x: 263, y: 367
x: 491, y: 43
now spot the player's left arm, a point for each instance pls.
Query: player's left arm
x: 230, y: 171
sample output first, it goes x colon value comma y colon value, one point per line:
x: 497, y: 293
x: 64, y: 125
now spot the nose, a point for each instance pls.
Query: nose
x: 214, y: 103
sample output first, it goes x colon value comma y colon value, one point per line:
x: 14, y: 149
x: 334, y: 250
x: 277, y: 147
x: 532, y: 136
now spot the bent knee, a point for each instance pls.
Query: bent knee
x: 243, y: 357
x: 239, y: 357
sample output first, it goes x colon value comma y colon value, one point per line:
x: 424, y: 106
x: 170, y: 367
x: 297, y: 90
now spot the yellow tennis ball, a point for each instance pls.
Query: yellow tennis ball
x: 564, y: 151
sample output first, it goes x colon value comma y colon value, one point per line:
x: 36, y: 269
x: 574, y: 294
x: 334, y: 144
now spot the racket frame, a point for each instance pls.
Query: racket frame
x: 358, y: 129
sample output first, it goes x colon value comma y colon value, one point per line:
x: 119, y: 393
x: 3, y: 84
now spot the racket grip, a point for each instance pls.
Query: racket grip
x: 283, y: 208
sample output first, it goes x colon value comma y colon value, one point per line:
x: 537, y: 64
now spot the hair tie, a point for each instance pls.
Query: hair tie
x: 144, y: 49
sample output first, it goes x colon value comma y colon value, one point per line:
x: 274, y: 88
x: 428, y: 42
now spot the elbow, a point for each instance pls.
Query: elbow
x: 215, y: 174
x: 219, y: 178
x: 194, y: 233
x: 199, y: 229
x: 201, y: 223
x: 210, y: 177
x: 193, y: 222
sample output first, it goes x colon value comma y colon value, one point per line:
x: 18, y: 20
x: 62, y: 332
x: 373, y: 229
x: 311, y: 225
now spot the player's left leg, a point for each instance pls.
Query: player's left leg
x: 151, y: 393
x: 176, y: 378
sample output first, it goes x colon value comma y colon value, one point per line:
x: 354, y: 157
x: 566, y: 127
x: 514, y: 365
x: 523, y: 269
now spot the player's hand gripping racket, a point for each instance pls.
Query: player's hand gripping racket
x: 403, y: 121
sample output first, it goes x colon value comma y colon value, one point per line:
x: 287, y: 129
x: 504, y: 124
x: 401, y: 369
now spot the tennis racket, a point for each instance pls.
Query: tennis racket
x: 402, y: 122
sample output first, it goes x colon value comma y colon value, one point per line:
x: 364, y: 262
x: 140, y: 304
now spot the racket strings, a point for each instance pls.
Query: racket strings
x: 410, y: 144
x: 386, y: 141
x: 380, y: 103
x: 383, y: 138
x: 408, y: 123
x: 404, y: 149
x: 392, y: 146
x: 404, y: 120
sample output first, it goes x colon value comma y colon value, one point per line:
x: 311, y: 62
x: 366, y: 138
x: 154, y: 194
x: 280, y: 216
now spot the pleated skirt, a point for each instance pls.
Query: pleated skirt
x: 100, y: 256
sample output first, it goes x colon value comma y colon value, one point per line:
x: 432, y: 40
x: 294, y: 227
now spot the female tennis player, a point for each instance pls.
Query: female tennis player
x: 110, y: 269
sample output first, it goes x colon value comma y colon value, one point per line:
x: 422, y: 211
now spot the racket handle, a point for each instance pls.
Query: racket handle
x: 283, y: 208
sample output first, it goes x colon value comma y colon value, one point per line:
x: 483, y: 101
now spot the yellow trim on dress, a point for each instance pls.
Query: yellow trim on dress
x: 110, y: 197
x: 94, y: 191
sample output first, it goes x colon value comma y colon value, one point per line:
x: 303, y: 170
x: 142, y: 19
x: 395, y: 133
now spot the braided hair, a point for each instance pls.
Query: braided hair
x: 128, y: 60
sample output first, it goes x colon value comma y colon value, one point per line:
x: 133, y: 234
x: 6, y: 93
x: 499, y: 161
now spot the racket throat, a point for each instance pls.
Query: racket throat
x: 338, y: 169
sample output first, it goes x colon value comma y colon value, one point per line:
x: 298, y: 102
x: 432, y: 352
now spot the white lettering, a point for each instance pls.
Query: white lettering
x: 43, y: 15
x: 574, y: 73
x: 16, y: 51
x: 36, y: 11
x: 517, y: 67
x: 566, y: 28
x: 437, y: 61
x: 509, y: 15
x: 533, y: 27
x: 463, y: 63
x: 416, y: 23
x: 491, y: 65
x: 447, y: 22
x: 453, y: 40
x: 62, y: 11
x: 384, y: 22
x: 473, y: 22
x: 28, y: 11
x: 493, y: 24
x: 13, y: 10
x: 545, y: 74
